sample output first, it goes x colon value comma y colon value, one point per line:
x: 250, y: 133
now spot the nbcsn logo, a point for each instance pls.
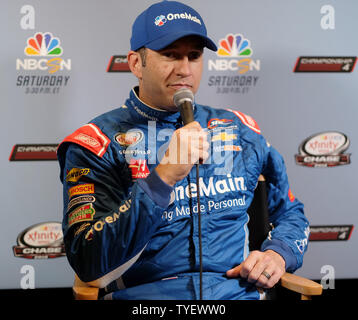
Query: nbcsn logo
x: 239, y: 51
x: 43, y: 45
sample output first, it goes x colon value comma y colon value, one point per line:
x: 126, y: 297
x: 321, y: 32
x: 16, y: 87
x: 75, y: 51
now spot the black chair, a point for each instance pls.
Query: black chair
x: 259, y: 227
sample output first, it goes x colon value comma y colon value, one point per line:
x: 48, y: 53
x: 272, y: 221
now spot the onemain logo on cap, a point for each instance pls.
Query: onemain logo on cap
x: 161, y: 20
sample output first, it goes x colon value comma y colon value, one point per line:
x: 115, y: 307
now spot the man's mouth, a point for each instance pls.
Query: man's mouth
x: 178, y: 86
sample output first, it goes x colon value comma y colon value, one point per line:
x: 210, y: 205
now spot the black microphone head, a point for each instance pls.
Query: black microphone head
x: 182, y: 95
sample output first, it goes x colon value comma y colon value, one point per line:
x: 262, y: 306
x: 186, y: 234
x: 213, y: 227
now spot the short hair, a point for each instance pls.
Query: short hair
x: 143, y: 55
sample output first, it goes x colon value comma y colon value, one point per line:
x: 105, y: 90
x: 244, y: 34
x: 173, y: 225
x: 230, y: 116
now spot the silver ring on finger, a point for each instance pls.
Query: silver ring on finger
x: 266, y: 274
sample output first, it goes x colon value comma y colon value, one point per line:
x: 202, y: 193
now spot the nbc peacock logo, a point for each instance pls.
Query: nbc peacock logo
x: 43, y: 44
x: 42, y: 70
x: 43, y: 51
x: 234, y: 46
x: 239, y: 51
x: 234, y: 68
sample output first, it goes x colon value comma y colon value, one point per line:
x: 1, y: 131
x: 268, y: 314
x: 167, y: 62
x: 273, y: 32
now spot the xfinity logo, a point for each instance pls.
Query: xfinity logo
x: 161, y: 20
x: 324, y: 149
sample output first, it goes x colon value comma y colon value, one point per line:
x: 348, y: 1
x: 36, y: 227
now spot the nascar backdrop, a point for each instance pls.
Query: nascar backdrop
x: 288, y: 64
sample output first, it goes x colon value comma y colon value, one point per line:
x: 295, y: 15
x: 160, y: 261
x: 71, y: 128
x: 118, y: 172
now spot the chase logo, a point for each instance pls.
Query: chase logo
x: 234, y: 46
x: 160, y: 20
x: 43, y: 44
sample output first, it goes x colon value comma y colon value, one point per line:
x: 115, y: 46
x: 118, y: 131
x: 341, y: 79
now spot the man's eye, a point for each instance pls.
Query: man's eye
x: 195, y: 55
x: 169, y: 54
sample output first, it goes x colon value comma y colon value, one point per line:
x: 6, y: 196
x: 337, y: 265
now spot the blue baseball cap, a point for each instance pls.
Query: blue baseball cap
x: 165, y: 22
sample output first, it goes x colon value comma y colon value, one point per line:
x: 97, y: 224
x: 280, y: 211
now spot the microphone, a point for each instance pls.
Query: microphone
x: 183, y: 99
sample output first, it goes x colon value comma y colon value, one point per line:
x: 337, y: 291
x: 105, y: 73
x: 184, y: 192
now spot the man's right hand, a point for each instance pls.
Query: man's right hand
x: 187, y: 146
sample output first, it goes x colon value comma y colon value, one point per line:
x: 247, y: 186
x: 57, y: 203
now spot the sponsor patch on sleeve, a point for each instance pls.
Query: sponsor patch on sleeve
x: 139, y: 168
x: 247, y: 121
x: 213, y: 123
x: 76, y: 173
x: 90, y: 137
x: 82, y: 213
x: 87, y: 188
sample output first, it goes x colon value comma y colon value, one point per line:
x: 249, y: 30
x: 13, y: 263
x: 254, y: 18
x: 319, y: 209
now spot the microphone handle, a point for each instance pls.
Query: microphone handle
x: 186, y: 112
x: 187, y: 116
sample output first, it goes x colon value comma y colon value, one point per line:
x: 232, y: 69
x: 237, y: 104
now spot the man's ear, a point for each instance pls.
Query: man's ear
x: 135, y: 63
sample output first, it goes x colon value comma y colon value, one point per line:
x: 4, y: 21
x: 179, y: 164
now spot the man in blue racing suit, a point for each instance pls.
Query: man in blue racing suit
x: 130, y: 193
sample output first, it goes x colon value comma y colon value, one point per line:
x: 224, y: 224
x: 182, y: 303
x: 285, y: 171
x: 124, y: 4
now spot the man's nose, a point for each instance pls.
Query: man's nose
x: 183, y: 67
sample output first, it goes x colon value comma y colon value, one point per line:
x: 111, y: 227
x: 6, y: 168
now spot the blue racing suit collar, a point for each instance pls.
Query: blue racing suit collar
x: 141, y: 110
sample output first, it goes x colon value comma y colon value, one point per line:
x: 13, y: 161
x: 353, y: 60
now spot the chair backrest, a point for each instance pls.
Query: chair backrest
x: 258, y: 225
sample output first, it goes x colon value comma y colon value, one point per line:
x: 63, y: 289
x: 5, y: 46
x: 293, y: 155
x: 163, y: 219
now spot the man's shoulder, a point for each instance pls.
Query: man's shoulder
x: 89, y: 136
x: 113, y: 116
x: 97, y: 134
